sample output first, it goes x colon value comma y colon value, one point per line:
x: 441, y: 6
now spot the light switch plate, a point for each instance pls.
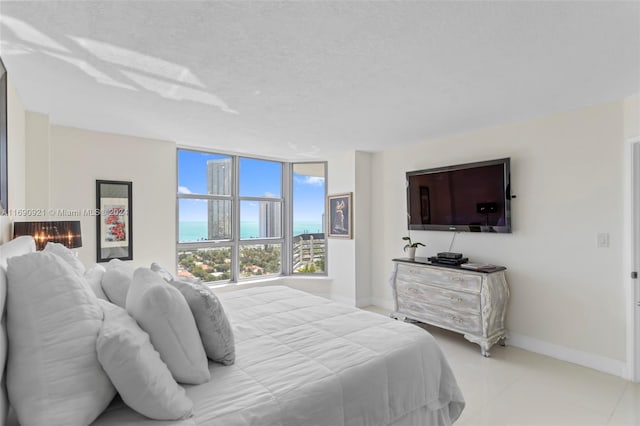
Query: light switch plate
x: 603, y: 240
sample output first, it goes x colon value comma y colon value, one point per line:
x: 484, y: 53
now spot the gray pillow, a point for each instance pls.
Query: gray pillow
x: 213, y: 324
x: 166, y: 275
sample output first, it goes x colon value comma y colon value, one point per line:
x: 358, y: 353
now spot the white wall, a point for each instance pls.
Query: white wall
x: 364, y: 235
x: 349, y: 260
x: 16, y: 141
x: 16, y: 150
x: 341, y: 253
x: 38, y: 164
x: 66, y: 179
x: 567, y: 175
x: 632, y: 117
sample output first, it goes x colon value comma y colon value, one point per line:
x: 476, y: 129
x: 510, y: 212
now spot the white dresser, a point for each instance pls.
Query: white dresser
x: 468, y: 302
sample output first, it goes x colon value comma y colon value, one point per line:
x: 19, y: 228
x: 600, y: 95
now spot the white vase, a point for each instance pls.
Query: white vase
x: 411, y: 253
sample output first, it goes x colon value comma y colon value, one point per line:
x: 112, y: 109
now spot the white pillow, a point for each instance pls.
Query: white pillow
x: 53, y: 373
x: 143, y: 381
x: 116, y: 281
x: 94, y: 275
x: 211, y: 320
x: 17, y: 247
x: 162, y: 311
x: 67, y: 255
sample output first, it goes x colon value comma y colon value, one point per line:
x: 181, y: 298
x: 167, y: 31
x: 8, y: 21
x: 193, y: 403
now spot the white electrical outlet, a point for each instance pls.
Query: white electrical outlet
x: 603, y: 240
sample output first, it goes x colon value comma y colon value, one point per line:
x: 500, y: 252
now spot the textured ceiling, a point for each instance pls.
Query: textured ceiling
x: 303, y: 80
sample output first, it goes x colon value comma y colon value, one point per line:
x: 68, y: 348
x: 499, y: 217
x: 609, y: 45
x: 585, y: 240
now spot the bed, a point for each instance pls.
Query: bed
x: 305, y: 360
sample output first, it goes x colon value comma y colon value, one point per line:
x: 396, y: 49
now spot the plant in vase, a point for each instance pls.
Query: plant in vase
x: 411, y: 247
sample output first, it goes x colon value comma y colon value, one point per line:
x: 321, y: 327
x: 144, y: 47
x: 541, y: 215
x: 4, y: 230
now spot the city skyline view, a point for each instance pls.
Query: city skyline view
x: 205, y: 173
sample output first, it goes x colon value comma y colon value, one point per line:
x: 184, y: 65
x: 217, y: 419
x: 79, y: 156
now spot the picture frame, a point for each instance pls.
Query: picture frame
x: 340, y: 218
x: 114, y: 236
x: 4, y: 184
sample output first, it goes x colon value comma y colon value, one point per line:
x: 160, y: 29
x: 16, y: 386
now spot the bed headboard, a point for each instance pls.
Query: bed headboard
x: 17, y: 247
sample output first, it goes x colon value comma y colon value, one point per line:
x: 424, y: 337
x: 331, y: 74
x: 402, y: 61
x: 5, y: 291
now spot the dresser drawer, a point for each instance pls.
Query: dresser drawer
x: 440, y: 316
x: 423, y: 293
x: 440, y: 277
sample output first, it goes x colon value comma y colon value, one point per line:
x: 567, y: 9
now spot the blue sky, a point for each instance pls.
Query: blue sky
x: 258, y: 178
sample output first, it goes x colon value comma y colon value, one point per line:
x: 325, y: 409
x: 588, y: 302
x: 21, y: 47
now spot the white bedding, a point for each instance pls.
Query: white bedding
x: 304, y: 360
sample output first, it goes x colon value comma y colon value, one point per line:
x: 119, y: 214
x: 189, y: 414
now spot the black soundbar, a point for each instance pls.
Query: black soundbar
x: 449, y: 255
x: 445, y: 261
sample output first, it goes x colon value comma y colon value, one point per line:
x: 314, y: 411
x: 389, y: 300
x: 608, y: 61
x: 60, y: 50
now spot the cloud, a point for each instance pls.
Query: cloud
x: 310, y: 180
x: 184, y: 190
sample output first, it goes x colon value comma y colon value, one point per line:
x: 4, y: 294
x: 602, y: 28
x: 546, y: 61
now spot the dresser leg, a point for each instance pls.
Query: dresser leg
x: 484, y: 350
x: 397, y: 316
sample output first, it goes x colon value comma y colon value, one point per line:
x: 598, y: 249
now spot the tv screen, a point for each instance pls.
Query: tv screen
x: 472, y: 197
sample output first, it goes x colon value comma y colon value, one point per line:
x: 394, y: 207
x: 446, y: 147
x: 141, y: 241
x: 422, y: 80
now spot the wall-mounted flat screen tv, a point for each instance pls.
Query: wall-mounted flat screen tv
x: 473, y: 197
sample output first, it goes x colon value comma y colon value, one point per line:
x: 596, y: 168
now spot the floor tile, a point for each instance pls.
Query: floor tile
x: 518, y: 387
x: 627, y: 411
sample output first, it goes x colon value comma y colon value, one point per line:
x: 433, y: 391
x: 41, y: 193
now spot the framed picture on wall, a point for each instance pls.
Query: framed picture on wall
x: 340, y: 217
x: 4, y: 201
x: 114, y: 220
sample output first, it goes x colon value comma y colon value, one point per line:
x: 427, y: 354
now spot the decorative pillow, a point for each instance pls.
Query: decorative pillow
x: 67, y: 255
x: 53, y: 320
x: 166, y: 275
x: 162, y: 311
x: 143, y: 381
x: 16, y: 247
x: 212, y: 322
x: 116, y: 281
x: 94, y: 275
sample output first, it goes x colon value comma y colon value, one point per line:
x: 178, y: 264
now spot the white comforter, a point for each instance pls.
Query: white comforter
x: 304, y: 360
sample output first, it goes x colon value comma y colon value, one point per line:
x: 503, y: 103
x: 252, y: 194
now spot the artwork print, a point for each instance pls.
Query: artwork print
x: 340, y: 215
x: 114, y: 215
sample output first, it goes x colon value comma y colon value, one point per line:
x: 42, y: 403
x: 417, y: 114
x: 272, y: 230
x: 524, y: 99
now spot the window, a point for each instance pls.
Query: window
x: 235, y: 220
x: 205, y: 215
x: 309, y: 194
x: 260, y: 217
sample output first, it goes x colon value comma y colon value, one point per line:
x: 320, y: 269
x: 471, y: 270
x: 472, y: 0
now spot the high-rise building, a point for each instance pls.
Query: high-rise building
x: 270, y: 219
x: 219, y: 211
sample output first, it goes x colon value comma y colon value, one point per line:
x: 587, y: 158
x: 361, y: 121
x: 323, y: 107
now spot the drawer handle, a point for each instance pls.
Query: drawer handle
x: 458, y: 279
x: 456, y: 299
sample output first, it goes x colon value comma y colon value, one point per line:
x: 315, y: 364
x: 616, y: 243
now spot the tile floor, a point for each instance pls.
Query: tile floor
x: 517, y: 387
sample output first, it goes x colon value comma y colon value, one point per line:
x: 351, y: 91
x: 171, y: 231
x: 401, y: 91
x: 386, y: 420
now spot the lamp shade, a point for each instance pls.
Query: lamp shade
x: 64, y: 232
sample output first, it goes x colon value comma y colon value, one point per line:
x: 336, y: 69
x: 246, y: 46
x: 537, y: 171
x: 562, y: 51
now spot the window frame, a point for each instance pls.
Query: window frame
x: 237, y: 225
x: 195, y: 245
x: 236, y: 243
x: 324, y: 273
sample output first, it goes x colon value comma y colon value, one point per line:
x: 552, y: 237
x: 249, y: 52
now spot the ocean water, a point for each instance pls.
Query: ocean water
x: 197, y: 231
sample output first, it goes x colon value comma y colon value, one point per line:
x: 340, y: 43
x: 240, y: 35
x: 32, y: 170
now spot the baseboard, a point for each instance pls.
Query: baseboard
x: 585, y: 359
x: 363, y: 302
x: 596, y: 362
x: 382, y: 303
x: 342, y: 299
